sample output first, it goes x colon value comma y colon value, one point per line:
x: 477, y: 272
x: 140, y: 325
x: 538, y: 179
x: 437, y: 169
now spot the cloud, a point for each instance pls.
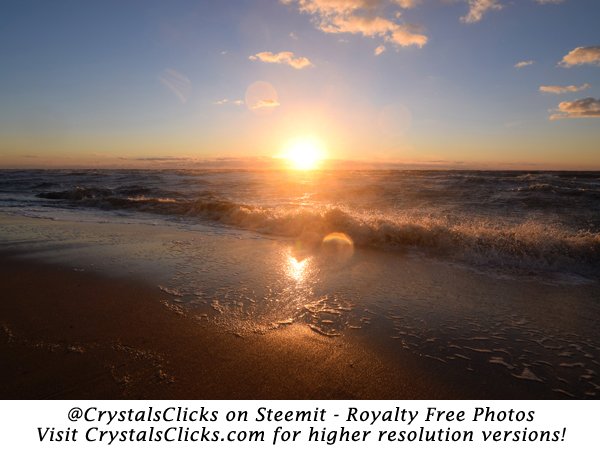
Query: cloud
x: 363, y: 17
x: 287, y: 58
x: 178, y: 84
x: 261, y: 97
x: 581, y: 55
x: 226, y: 101
x: 522, y: 64
x: 585, y: 108
x: 159, y: 158
x: 400, y: 35
x: 564, y: 89
x: 477, y: 8
x: 265, y: 103
x: 379, y: 50
x: 331, y: 7
x: 407, y: 4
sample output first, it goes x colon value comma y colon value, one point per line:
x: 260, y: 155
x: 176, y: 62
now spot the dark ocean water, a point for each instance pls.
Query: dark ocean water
x: 530, y: 222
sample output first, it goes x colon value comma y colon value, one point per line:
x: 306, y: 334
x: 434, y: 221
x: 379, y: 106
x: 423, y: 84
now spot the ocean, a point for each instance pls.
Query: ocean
x: 528, y: 222
x: 489, y: 272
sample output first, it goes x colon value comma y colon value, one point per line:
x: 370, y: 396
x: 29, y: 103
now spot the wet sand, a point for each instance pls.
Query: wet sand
x: 72, y: 335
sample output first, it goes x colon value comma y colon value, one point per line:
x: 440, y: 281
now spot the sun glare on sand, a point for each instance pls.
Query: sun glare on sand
x: 304, y: 153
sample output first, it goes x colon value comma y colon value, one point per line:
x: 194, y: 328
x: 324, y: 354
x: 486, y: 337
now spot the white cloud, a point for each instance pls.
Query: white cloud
x: 549, y: 2
x: 287, y: 58
x: 363, y: 17
x: 400, y: 35
x: 368, y: 26
x: 404, y: 36
x: 522, y: 64
x: 584, y: 108
x: 582, y: 55
x: 477, y: 9
x: 564, y: 89
x: 379, y: 50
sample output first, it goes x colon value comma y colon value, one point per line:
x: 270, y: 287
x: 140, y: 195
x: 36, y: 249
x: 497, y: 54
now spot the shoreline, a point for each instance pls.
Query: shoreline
x: 70, y: 335
x: 74, y: 335
x: 84, y: 316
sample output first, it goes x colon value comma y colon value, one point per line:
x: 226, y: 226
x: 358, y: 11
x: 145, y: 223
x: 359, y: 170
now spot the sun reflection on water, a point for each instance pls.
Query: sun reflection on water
x: 297, y: 269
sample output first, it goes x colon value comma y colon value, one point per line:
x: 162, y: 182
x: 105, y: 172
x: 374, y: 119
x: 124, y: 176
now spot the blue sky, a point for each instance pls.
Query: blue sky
x: 115, y: 82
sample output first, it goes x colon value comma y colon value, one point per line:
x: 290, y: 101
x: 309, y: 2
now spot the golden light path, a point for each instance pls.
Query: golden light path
x: 305, y: 153
x: 296, y: 270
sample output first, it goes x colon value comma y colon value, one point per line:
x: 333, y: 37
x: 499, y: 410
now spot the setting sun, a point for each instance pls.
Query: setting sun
x: 304, y: 153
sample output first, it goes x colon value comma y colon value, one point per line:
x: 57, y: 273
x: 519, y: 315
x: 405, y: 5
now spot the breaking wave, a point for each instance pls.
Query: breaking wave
x: 525, y: 245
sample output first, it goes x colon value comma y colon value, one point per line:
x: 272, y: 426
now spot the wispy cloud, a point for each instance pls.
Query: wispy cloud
x: 522, y: 64
x: 178, y: 84
x: 584, y: 108
x: 564, y: 89
x: 580, y: 56
x: 362, y: 17
x: 265, y: 103
x: 159, y: 158
x: 379, y: 50
x: 478, y: 8
x: 288, y: 58
x: 226, y: 101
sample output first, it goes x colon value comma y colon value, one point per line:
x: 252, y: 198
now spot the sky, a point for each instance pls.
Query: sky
x: 434, y: 83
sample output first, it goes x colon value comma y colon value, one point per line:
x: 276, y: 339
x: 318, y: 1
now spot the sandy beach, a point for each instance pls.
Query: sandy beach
x: 76, y: 324
x: 78, y: 335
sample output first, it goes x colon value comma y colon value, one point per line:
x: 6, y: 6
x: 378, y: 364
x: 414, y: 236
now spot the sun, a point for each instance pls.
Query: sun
x: 304, y: 153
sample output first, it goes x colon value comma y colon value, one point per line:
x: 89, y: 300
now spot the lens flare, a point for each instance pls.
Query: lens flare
x: 338, y: 246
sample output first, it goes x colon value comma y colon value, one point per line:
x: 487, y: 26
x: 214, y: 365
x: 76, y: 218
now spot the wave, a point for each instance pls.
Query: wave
x: 78, y: 193
x: 556, y: 189
x: 490, y: 242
